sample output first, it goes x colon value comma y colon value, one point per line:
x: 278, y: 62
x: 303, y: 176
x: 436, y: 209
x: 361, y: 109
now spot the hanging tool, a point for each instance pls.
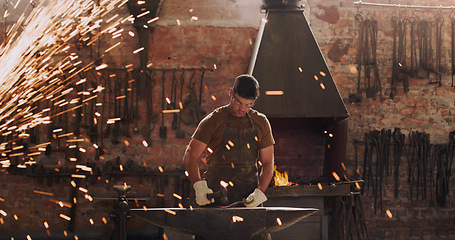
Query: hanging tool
x: 163, y: 129
x: 174, y: 99
x: 180, y: 133
x: 357, y: 97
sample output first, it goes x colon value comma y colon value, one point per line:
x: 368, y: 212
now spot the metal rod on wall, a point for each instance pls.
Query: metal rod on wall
x: 360, y: 3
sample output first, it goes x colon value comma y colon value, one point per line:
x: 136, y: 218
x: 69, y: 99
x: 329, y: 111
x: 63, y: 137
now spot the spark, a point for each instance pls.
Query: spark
x: 248, y: 145
x: 300, y: 69
x: 210, y: 150
x: 322, y: 86
x: 194, y: 18
x: 65, y: 217
x: 170, y: 211
x: 46, y: 225
x: 357, y: 185
x: 278, y: 220
x: 389, y: 213
x: 316, y: 77
x: 83, y: 190
x: 113, y: 46
x: 160, y: 169
x: 153, y: 20
x: 320, y: 186
x: 213, y: 97
x: 143, y: 14
x: 177, y: 196
x: 322, y: 73
x: 237, y: 219
x: 3, y: 213
x: 186, y: 173
x: 104, y: 220
x: 274, y: 93
x: 335, y: 175
x: 178, y: 21
x: 43, y: 193
x: 171, y: 111
x: 138, y: 50
x: 352, y: 69
x: 145, y: 143
x: 224, y: 184
x: 77, y: 176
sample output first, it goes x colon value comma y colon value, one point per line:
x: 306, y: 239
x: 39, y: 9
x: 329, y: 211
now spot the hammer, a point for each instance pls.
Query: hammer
x: 222, y: 194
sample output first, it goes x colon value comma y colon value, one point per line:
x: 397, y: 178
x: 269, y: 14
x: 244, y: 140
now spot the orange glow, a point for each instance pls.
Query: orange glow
x: 335, y: 175
x: 281, y: 179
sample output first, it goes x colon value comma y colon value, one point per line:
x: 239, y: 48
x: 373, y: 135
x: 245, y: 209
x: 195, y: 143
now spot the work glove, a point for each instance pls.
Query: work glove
x: 201, y: 189
x: 255, y: 198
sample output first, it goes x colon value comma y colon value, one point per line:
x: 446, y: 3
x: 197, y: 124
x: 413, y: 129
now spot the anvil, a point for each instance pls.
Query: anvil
x: 225, y: 223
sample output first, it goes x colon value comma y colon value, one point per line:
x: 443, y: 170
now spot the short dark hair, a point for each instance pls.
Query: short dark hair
x: 246, y: 86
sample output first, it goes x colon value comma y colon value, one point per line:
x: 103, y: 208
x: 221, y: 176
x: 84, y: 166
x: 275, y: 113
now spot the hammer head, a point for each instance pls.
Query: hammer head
x: 222, y: 195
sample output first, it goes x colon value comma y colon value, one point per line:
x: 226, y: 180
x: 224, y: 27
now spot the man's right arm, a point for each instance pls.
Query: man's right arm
x: 192, y: 154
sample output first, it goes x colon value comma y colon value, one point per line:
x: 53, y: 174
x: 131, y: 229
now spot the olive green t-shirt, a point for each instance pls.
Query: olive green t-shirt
x: 211, y: 129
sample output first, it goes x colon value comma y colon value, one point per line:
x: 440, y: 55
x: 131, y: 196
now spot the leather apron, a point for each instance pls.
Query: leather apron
x: 236, y: 162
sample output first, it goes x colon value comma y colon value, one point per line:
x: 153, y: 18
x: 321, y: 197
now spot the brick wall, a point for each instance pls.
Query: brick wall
x: 425, y: 107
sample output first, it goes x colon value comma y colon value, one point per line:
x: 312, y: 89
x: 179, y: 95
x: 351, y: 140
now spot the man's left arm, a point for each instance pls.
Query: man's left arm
x: 266, y: 156
x: 258, y: 196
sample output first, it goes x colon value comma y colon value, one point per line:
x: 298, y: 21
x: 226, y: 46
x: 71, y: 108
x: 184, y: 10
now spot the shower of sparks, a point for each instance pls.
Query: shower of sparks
x: 38, y: 65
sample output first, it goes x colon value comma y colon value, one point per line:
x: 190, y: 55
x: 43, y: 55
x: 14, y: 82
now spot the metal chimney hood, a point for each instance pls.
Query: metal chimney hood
x: 294, y: 79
